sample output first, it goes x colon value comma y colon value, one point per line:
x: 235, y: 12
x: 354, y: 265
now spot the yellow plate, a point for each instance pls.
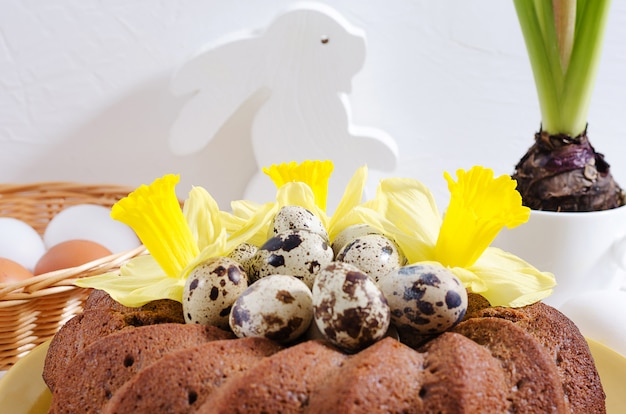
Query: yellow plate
x: 22, y: 391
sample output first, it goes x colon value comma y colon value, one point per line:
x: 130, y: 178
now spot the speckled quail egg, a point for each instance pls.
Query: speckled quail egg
x: 425, y: 297
x: 243, y: 254
x: 350, y: 233
x: 299, y: 253
x: 210, y: 290
x: 278, y: 307
x: 295, y: 218
x: 314, y: 333
x: 374, y: 254
x: 348, y: 307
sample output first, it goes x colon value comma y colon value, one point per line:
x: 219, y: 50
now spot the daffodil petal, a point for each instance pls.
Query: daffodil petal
x: 254, y: 230
x: 404, y: 210
x: 296, y: 194
x: 233, y: 222
x: 470, y: 280
x: 139, y: 281
x: 507, y: 280
x: 203, y: 216
x: 411, y: 205
x: 218, y: 248
x: 414, y: 248
x: 352, y: 197
x: 154, y: 213
x: 244, y: 209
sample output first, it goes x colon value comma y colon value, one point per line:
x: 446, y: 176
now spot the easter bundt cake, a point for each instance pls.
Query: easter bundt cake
x: 529, y: 359
x: 384, y: 307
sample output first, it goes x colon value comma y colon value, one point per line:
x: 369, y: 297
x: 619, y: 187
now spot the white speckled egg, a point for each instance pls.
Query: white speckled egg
x: 350, y: 233
x: 277, y: 307
x: 425, y: 297
x: 374, y: 254
x: 348, y: 307
x: 314, y: 333
x: 299, y: 253
x: 296, y: 218
x: 211, y: 289
x: 243, y: 254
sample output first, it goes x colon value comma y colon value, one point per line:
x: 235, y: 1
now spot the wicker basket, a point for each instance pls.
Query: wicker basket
x: 31, y: 311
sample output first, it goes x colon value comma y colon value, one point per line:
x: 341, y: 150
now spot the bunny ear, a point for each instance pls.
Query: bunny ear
x: 215, y: 62
x: 220, y: 82
x: 201, y: 118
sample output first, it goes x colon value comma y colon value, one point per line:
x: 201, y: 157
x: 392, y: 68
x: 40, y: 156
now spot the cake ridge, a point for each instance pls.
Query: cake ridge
x: 496, y: 360
x: 85, y: 387
x: 182, y: 380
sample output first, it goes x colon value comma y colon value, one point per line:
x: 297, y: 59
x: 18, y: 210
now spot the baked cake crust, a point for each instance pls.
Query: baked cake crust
x: 182, y: 380
x: 530, y: 359
x: 95, y: 374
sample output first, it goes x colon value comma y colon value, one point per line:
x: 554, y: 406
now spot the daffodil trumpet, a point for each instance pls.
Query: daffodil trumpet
x: 177, y: 241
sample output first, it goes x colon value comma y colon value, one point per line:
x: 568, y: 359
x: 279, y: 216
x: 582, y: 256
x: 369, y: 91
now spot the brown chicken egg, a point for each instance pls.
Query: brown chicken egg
x: 11, y: 271
x: 68, y: 254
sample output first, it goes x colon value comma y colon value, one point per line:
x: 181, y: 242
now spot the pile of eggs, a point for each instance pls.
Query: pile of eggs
x: 75, y: 236
x: 351, y: 292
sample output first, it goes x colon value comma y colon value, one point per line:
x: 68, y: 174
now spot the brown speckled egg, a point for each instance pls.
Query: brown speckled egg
x: 374, y: 254
x: 211, y: 289
x: 299, y: 253
x: 296, y: 218
x: 350, y: 233
x: 243, y: 254
x: 278, y: 307
x: 425, y: 297
x: 348, y: 307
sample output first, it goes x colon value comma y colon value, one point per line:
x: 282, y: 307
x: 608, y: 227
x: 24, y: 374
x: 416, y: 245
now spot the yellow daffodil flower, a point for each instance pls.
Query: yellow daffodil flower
x: 313, y: 173
x: 480, y: 206
x: 177, y: 240
x: 304, y: 185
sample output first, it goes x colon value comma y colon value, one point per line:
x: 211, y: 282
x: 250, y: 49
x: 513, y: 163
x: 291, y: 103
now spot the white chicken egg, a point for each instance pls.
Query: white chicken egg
x: 278, y: 307
x: 299, y: 253
x: 211, y: 289
x: 426, y: 298
x: 20, y: 242
x: 374, y: 254
x: 348, y: 307
x: 90, y: 222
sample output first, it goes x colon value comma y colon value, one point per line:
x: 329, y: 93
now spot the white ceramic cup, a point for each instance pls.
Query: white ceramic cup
x: 586, y: 251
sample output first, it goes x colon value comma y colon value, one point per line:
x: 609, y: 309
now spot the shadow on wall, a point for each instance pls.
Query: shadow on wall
x: 278, y: 96
x: 127, y: 143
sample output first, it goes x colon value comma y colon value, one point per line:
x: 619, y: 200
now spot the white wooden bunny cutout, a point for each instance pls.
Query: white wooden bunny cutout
x: 300, y: 69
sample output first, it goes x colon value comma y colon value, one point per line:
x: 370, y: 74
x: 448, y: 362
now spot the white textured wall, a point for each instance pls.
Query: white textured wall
x: 84, y: 87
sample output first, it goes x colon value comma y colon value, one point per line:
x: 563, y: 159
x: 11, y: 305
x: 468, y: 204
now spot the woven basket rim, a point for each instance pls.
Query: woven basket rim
x: 46, y: 185
x: 34, y: 286
x: 35, y: 308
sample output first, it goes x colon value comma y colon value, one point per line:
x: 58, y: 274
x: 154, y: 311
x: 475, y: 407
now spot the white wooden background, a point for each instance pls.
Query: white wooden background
x: 85, y: 88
